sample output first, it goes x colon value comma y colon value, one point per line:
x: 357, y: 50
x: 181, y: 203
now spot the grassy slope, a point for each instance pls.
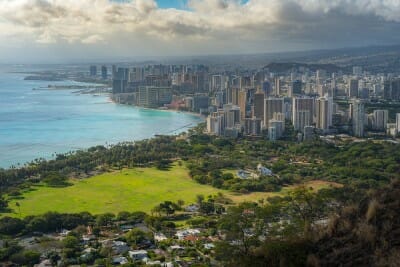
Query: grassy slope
x: 127, y: 190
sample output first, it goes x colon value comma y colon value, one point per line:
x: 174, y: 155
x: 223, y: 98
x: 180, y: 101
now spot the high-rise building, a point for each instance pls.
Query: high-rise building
x: 353, y: 88
x: 275, y: 129
x: 114, y: 70
x: 391, y: 129
x: 242, y: 104
x: 391, y: 89
x: 120, y: 80
x: 273, y: 108
x: 225, y: 121
x: 398, y: 122
x: 231, y: 115
x: 252, y: 126
x: 217, y: 83
x: 277, y: 87
x: 380, y: 119
x: 364, y: 93
x: 323, y: 112
x: 296, y: 88
x: 267, y: 88
x: 200, y: 102
x: 215, y: 123
x: 151, y: 96
x: 232, y: 95
x: 104, y: 73
x: 246, y: 82
x: 93, y: 70
x: 358, y: 115
x: 136, y: 74
x: 259, y: 105
x: 302, y: 112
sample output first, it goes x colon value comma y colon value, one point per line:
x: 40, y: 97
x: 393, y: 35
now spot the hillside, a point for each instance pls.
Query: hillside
x: 364, y: 235
x: 280, y: 67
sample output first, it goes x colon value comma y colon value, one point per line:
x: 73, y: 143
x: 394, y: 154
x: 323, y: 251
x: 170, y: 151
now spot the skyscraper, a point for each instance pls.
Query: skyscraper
x: 242, y: 104
x: 353, y: 88
x: 120, y: 80
x: 324, y: 111
x: 104, y: 74
x: 273, y: 109
x: 358, y: 115
x: 136, y: 74
x: 296, y: 88
x: 277, y: 86
x: 93, y: 70
x: 267, y: 88
x: 275, y: 129
x: 380, y: 120
x: 252, y: 126
x: 391, y: 89
x: 232, y: 95
x: 217, y: 83
x: 302, y: 112
x: 398, y: 122
x: 259, y: 105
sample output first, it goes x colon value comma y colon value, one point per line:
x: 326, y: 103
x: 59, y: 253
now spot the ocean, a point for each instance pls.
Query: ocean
x: 41, y: 123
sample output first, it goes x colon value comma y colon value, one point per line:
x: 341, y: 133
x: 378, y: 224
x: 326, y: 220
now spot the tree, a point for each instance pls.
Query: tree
x: 180, y: 203
x: 27, y: 257
x: 55, y: 179
x: 70, y: 242
x: 104, y: 219
x: 199, y: 199
x: 168, y: 207
x: 136, y: 236
x: 242, y: 230
x: 11, y: 226
x: 305, y: 206
x: 3, y: 204
x: 207, y: 207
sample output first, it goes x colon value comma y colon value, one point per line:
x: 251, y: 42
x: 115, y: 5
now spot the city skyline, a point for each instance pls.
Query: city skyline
x: 59, y: 31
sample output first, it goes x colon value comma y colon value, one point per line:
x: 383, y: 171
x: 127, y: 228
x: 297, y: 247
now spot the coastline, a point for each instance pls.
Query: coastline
x: 161, y: 109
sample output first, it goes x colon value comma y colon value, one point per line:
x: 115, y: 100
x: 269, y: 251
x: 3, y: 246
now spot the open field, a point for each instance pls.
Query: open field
x: 315, y: 185
x: 138, y: 189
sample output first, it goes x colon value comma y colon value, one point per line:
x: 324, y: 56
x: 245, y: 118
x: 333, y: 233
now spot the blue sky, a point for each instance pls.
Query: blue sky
x: 178, y: 4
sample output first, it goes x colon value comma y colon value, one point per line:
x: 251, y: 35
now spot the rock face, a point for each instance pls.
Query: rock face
x: 363, y: 235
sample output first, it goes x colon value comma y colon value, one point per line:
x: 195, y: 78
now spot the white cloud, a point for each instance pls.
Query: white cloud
x: 259, y: 24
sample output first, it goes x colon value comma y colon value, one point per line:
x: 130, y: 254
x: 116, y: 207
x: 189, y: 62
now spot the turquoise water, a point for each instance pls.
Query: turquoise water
x: 40, y: 123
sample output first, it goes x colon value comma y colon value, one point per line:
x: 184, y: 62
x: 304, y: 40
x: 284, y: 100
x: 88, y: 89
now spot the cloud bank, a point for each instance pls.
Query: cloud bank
x: 140, y: 27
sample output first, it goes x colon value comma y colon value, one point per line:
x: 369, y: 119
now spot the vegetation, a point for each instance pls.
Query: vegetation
x: 283, y: 221
x: 137, y: 189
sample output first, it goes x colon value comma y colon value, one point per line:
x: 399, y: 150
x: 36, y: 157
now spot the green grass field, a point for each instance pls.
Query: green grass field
x: 138, y: 189
x: 127, y: 190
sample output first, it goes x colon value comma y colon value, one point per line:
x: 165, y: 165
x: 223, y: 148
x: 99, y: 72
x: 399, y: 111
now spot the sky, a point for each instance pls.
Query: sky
x: 36, y: 31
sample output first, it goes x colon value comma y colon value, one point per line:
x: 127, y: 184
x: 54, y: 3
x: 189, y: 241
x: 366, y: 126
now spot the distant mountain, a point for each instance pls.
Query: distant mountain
x: 286, y: 67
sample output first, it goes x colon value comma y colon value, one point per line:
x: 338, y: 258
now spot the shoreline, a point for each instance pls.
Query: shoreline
x: 161, y: 109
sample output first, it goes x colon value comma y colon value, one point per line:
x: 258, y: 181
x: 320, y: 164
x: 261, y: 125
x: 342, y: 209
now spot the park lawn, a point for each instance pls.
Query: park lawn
x: 139, y: 189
